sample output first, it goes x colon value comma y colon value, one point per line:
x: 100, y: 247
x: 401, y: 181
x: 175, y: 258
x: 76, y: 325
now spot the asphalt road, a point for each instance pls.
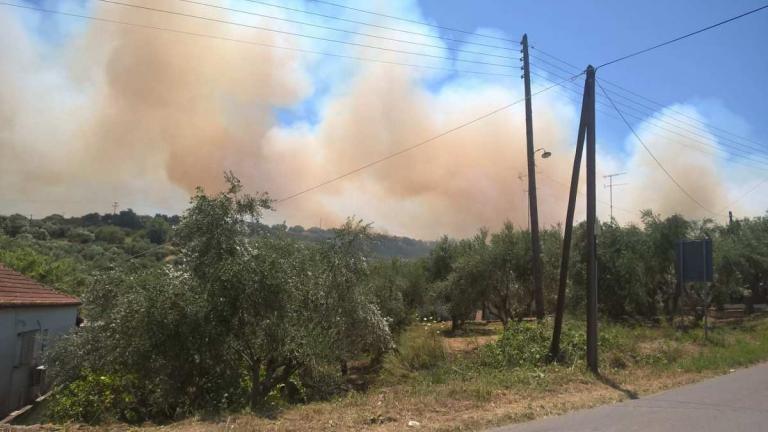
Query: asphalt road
x: 734, y: 402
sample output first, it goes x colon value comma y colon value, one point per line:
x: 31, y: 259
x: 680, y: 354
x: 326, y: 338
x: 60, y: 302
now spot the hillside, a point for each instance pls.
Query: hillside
x: 66, y: 251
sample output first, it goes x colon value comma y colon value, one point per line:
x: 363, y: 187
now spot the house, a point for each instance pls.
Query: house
x: 31, y: 314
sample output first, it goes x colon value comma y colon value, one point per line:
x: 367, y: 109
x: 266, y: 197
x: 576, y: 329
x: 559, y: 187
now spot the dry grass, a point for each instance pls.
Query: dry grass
x: 390, y: 409
x: 457, y: 397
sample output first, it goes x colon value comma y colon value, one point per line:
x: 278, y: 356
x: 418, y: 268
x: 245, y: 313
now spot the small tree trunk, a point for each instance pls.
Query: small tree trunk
x: 255, y: 395
x: 749, y: 306
x: 706, y: 324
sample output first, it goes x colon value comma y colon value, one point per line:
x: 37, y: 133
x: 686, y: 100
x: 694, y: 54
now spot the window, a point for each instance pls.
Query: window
x: 27, y: 352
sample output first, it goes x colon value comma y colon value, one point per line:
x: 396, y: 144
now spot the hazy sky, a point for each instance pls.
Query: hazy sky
x: 94, y: 112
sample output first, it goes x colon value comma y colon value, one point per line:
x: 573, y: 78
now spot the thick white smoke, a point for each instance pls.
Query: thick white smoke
x: 109, y: 113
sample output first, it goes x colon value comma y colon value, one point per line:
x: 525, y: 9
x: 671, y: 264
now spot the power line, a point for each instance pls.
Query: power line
x: 705, y: 127
x: 242, y: 41
x: 289, y: 33
x: 441, y: 47
x: 655, y: 126
x: 636, y: 53
x: 417, y: 145
x: 302, y: 35
x: 745, y: 194
x: 395, y: 18
x: 742, y: 150
x: 323, y: 53
x: 647, y: 99
x: 691, y: 128
x: 671, y: 177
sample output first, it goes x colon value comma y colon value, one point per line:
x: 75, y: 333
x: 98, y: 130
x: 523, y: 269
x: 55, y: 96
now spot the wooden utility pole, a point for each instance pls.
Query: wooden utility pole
x: 592, y: 361
x: 554, y: 349
x: 586, y: 133
x: 538, y: 291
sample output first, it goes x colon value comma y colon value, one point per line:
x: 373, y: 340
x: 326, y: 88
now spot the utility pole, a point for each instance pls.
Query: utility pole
x: 520, y: 177
x: 610, y: 187
x: 114, y: 208
x: 730, y: 217
x: 592, y: 361
x: 586, y: 133
x: 554, y: 348
x: 538, y: 292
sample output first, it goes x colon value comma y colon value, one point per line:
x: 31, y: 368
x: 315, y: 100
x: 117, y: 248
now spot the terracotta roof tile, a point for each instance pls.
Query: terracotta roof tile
x: 19, y: 290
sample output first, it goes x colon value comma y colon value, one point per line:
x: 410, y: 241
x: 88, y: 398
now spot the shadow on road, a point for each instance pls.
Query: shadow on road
x: 614, y: 385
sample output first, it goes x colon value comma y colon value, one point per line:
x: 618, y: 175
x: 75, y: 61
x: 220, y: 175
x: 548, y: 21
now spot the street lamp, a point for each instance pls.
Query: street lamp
x: 544, y: 153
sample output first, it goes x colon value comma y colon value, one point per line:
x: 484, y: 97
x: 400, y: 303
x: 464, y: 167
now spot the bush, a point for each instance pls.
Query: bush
x: 521, y: 345
x: 80, y: 236
x: 526, y: 344
x: 39, y: 234
x: 95, y: 399
x: 418, y: 348
x: 110, y: 234
x: 158, y: 231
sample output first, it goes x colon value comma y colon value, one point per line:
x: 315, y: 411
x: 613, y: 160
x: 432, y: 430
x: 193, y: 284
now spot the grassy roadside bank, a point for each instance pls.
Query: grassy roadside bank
x: 458, y: 382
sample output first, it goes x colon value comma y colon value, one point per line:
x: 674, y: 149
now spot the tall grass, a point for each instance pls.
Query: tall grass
x: 420, y: 347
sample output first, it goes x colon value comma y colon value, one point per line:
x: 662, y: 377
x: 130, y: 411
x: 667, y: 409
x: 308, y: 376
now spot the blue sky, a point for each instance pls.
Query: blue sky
x: 722, y: 71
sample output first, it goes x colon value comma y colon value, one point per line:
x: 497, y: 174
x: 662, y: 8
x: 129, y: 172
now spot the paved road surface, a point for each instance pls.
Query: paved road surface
x: 732, y: 403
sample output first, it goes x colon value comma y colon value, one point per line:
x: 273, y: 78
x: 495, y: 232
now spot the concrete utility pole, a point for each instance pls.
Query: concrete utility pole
x: 538, y: 291
x: 610, y: 187
x: 592, y: 361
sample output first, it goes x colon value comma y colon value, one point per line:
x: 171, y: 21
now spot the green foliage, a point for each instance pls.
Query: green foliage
x: 419, y: 347
x: 508, y: 273
x: 80, y: 235
x: 526, y: 345
x: 158, y: 230
x: 97, y: 398
x: 622, y: 260
x: 236, y: 320
x: 127, y: 219
x: 637, y: 266
x: 39, y: 234
x: 110, y: 234
x: 490, y: 271
x: 64, y: 273
x: 150, y: 326
x: 400, y: 290
x: 16, y: 224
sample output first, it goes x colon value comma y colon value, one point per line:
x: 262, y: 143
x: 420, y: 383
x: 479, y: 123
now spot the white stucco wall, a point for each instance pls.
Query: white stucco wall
x: 15, y: 320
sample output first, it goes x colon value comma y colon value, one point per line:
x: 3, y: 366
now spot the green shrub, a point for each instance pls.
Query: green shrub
x: 39, y: 234
x: 80, y: 235
x: 419, y: 347
x: 526, y: 344
x: 522, y: 344
x: 110, y: 234
x: 96, y: 398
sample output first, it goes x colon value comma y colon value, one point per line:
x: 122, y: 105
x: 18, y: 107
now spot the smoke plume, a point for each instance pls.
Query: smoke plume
x: 109, y: 113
